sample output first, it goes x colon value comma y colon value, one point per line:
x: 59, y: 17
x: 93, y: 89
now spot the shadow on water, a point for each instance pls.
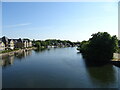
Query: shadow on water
x: 8, y: 60
x: 93, y: 63
x: 96, y: 64
x: 78, y: 53
x: 40, y: 50
x: 103, y: 73
x: 116, y: 63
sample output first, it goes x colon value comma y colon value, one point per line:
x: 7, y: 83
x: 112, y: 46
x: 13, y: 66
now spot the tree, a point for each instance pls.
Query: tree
x: 100, y: 47
x: 37, y: 44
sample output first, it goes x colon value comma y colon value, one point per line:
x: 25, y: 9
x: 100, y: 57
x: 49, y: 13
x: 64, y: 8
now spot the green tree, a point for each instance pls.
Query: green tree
x: 100, y: 47
x: 37, y: 44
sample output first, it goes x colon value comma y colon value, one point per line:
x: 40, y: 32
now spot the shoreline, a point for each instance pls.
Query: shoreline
x: 116, y: 57
x: 16, y: 51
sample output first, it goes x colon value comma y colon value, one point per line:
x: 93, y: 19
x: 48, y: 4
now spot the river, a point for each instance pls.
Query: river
x: 56, y: 68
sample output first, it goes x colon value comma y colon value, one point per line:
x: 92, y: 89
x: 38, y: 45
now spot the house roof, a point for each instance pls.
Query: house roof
x: 17, y: 40
x: 20, y: 40
x: 27, y: 40
x: 4, y: 39
x: 10, y: 40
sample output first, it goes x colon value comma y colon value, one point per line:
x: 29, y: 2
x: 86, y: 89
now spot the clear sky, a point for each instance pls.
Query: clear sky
x: 74, y: 21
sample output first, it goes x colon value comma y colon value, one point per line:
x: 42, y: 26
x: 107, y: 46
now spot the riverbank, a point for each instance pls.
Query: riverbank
x: 16, y: 51
x: 116, y: 57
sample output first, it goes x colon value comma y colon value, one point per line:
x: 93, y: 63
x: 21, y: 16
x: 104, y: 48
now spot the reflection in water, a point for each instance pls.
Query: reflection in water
x: 9, y: 59
x: 23, y: 54
x: 40, y: 50
x: 102, y: 74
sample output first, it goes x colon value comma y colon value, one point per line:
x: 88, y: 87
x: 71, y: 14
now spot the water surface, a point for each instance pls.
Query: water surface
x: 56, y: 68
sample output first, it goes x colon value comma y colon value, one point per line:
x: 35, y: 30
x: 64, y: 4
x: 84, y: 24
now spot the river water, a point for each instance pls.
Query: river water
x: 56, y: 68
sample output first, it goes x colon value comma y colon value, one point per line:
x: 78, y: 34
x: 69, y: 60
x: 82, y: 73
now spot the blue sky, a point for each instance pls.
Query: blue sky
x: 74, y: 21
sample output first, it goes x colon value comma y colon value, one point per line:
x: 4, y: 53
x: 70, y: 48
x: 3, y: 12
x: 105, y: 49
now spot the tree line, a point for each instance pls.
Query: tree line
x: 54, y: 43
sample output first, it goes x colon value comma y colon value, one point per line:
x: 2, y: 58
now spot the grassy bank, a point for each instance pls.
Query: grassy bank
x: 7, y: 51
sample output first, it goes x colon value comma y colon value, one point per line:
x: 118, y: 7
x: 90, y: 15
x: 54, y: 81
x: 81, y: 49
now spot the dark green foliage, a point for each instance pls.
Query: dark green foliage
x: 52, y: 42
x: 118, y: 46
x: 100, y: 47
x: 37, y: 44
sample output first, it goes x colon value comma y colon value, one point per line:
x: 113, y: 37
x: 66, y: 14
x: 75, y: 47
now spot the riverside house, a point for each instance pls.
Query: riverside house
x: 18, y: 43
x: 6, y: 43
x: 22, y: 43
x: 27, y: 43
x: 10, y: 44
x: 2, y: 46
